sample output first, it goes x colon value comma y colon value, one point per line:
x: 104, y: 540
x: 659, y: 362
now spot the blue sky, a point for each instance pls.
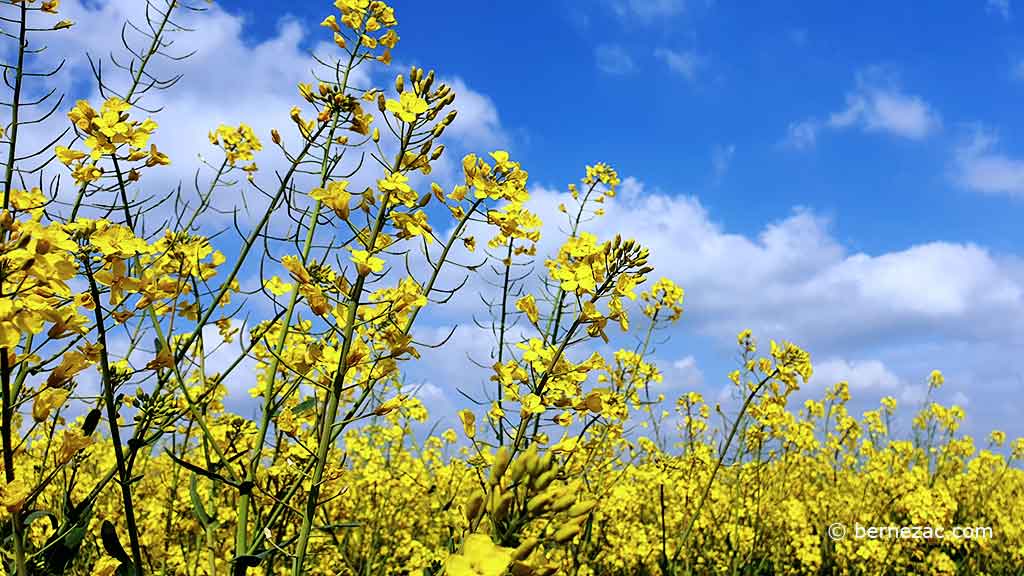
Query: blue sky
x: 848, y: 177
x: 759, y: 67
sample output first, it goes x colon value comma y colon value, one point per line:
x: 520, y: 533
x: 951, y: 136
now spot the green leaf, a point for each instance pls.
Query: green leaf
x: 197, y: 505
x: 37, y: 514
x: 112, y: 545
x: 248, y: 560
x: 304, y: 406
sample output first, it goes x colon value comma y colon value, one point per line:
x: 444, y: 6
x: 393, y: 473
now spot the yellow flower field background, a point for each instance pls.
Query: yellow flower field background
x: 575, y: 464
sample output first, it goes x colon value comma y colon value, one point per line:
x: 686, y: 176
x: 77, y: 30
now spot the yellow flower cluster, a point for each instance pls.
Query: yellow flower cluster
x: 108, y: 133
x: 238, y: 143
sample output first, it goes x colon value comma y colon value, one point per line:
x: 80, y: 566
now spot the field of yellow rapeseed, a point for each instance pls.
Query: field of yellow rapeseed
x: 575, y: 464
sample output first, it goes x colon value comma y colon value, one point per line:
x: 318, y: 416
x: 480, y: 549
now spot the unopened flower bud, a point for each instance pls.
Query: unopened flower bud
x: 521, y: 569
x: 537, y: 503
x: 525, y: 549
x: 504, y: 502
x: 582, y: 508
x: 544, y: 480
x: 501, y: 460
x: 474, y: 506
x: 566, y: 533
x: 563, y: 503
x: 517, y: 470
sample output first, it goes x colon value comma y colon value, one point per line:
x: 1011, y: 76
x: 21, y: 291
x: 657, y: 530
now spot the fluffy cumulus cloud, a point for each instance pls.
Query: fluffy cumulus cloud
x: 880, y: 321
x: 877, y: 104
x: 860, y: 375
x: 794, y: 278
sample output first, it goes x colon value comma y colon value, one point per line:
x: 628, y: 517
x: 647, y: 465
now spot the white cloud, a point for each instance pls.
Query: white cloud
x: 860, y: 375
x: 477, y: 124
x: 684, y: 63
x: 877, y: 105
x: 684, y: 374
x: 978, y: 166
x: 793, y: 279
x: 613, y: 59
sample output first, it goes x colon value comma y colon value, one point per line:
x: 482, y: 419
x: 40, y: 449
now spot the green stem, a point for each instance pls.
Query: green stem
x: 501, y: 335
x: 718, y: 465
x: 241, y: 529
x: 334, y: 393
x: 115, y: 434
